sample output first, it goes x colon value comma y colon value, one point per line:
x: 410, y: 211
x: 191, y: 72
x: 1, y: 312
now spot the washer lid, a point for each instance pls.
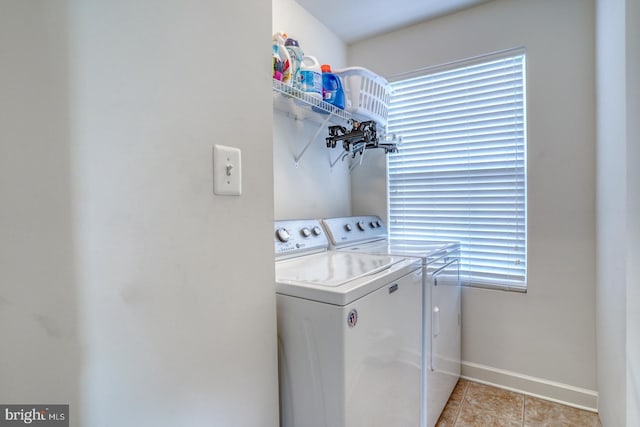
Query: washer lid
x: 337, y: 277
x: 332, y: 268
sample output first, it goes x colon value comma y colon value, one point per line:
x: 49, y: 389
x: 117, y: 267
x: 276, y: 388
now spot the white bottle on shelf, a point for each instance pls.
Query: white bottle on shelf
x: 296, y: 54
x: 310, y: 77
x: 281, y: 60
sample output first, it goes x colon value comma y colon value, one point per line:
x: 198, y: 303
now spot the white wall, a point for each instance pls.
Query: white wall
x: 369, y: 185
x: 128, y: 289
x: 543, y: 341
x: 633, y: 211
x: 611, y: 290
x: 312, y: 189
x: 618, y: 293
x: 40, y: 354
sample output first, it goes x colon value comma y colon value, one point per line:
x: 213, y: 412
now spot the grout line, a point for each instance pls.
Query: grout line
x: 464, y: 393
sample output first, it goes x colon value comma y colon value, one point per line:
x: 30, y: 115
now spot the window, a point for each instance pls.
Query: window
x: 460, y: 170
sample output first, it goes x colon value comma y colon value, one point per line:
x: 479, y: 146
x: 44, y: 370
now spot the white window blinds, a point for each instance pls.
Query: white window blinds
x: 460, y: 170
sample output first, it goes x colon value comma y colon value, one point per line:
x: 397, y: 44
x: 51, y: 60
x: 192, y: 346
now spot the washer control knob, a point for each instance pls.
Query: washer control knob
x: 348, y: 227
x: 305, y: 232
x: 379, y: 223
x: 373, y: 224
x: 283, y: 235
x: 316, y: 231
x: 360, y: 225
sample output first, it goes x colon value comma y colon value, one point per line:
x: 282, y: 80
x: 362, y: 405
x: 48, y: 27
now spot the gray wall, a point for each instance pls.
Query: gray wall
x: 40, y: 356
x: 543, y: 341
x: 618, y: 290
x: 126, y: 287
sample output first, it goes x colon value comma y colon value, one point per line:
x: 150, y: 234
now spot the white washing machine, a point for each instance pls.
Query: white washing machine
x: 441, y: 312
x: 349, y: 334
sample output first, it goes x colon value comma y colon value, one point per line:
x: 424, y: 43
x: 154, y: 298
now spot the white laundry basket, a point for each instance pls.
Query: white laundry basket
x: 366, y: 93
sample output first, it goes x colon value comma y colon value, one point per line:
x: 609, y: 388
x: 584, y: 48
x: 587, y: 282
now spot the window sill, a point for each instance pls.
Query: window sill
x: 519, y: 288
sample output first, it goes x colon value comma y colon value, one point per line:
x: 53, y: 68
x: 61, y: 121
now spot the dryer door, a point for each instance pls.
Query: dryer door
x: 445, y: 337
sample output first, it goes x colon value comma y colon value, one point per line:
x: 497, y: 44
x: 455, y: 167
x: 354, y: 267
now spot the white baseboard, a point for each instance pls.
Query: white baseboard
x: 537, y: 387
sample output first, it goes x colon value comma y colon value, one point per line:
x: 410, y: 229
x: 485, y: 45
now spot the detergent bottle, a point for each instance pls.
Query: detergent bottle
x: 332, y: 91
x: 295, y: 54
x: 310, y: 77
x: 281, y: 60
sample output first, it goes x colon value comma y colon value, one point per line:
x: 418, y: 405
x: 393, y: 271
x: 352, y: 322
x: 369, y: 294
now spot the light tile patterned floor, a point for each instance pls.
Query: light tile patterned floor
x: 477, y: 405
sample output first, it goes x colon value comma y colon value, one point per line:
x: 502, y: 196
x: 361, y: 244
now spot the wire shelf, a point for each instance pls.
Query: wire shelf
x: 304, y: 106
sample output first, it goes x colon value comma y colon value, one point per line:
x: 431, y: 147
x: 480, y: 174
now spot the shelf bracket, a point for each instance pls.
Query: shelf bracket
x: 354, y: 164
x: 298, y: 156
x: 342, y: 155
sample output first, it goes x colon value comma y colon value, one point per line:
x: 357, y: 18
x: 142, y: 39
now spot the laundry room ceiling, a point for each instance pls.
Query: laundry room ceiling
x: 354, y: 20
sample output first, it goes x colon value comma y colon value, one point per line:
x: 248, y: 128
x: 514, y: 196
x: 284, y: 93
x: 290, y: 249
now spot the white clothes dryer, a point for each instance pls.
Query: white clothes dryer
x: 349, y: 335
x: 441, y: 318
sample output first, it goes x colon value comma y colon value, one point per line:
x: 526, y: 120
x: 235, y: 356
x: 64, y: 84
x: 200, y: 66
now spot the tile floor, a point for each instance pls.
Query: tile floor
x: 477, y: 405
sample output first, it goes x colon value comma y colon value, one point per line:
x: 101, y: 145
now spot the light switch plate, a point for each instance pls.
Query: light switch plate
x: 227, y: 171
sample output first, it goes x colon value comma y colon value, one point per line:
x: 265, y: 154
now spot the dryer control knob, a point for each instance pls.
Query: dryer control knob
x: 283, y: 235
x: 316, y: 231
x: 305, y: 232
x: 348, y: 227
x: 361, y: 225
